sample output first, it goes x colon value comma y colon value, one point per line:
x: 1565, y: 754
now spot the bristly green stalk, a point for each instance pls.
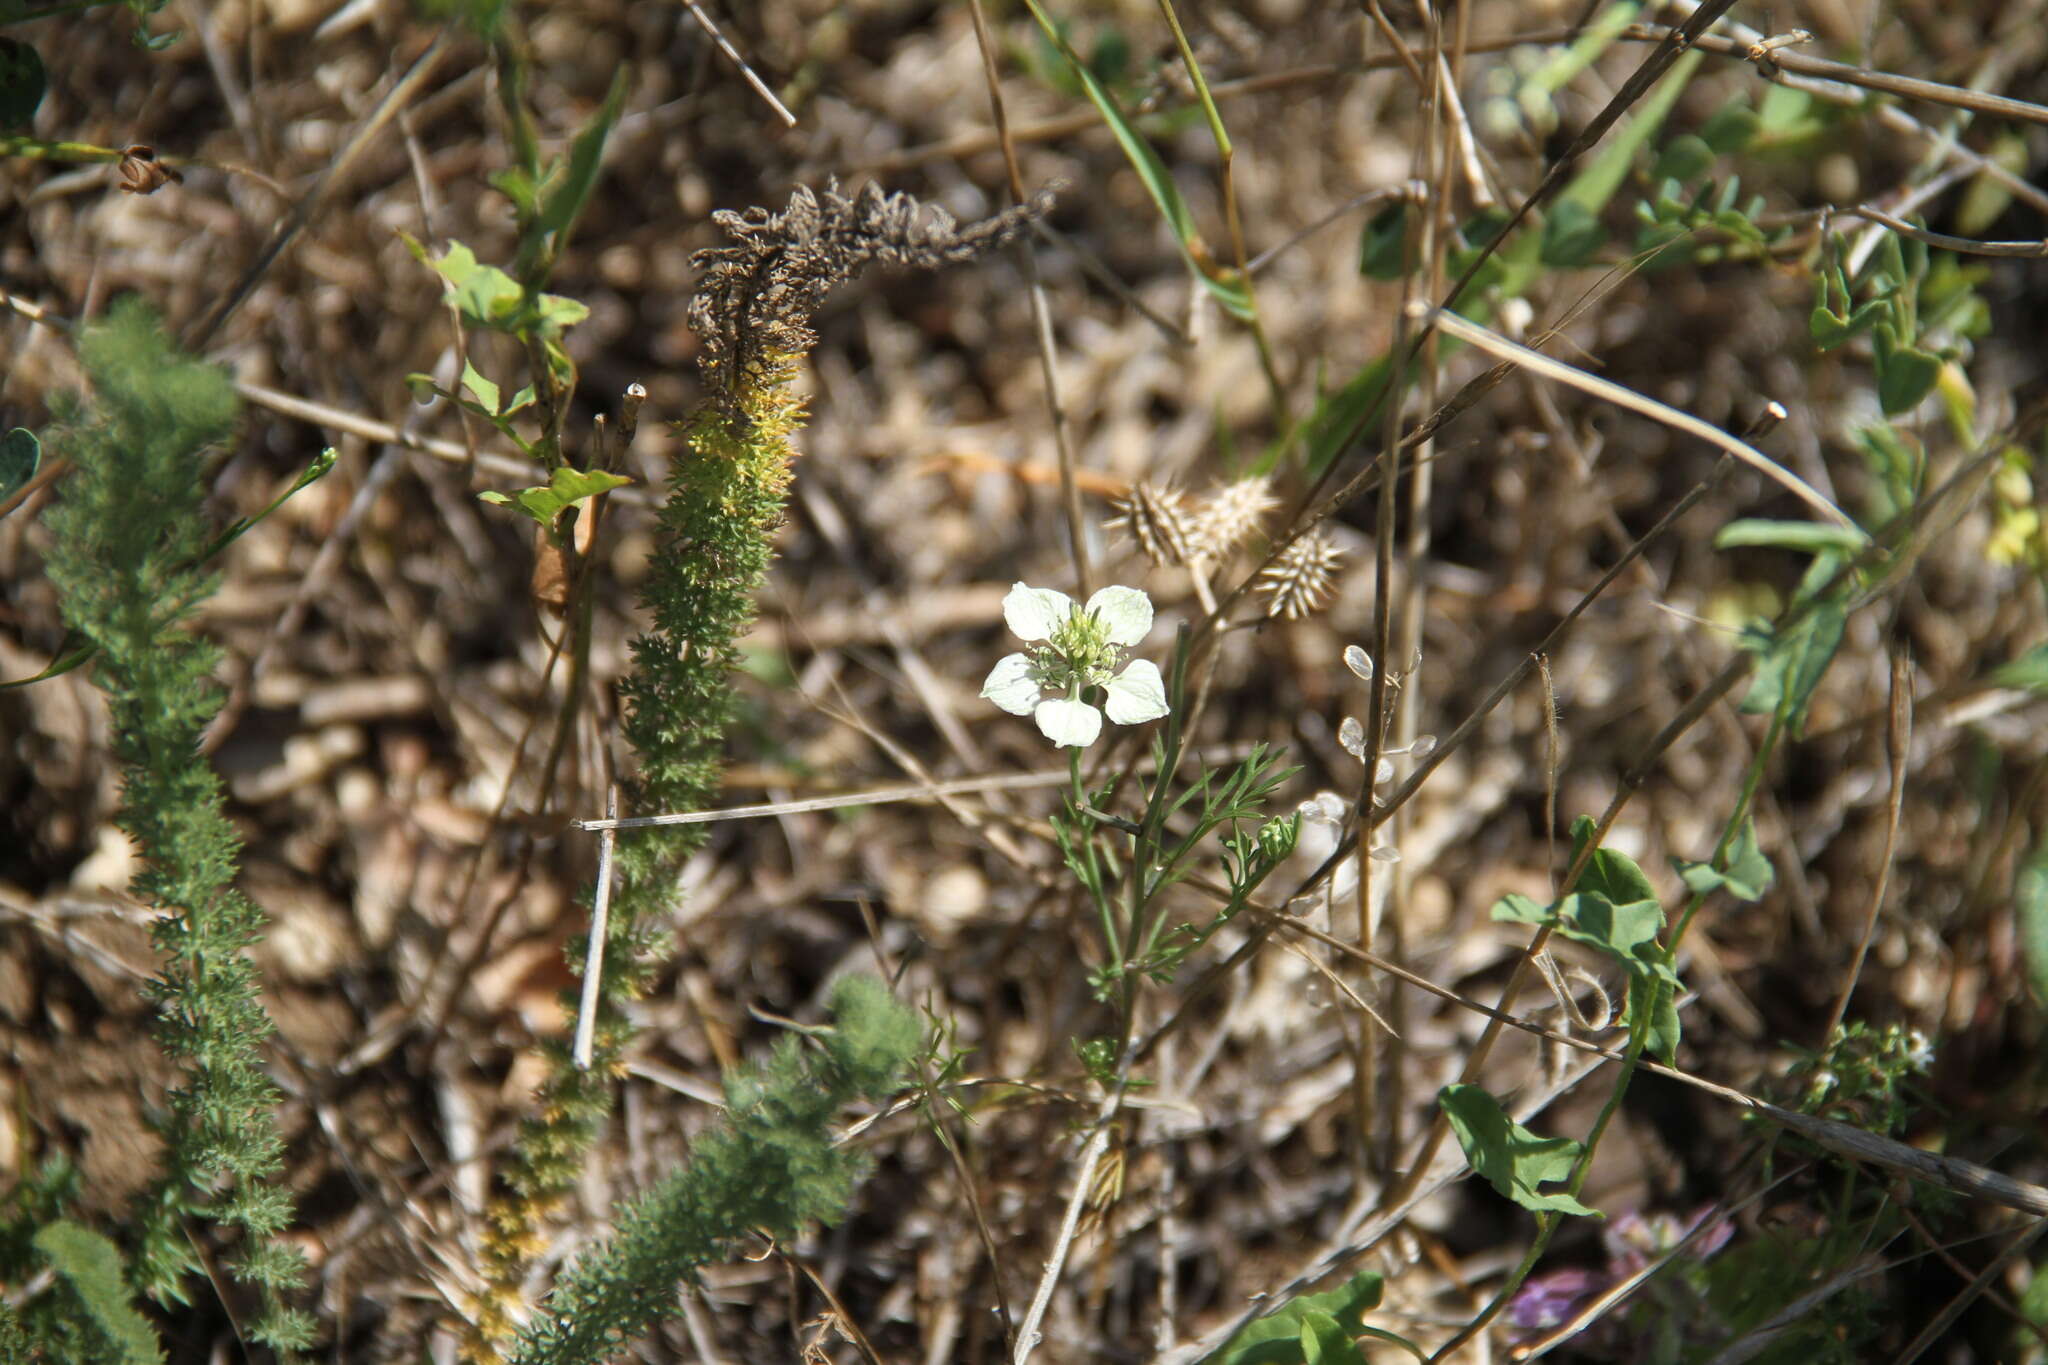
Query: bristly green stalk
x: 727, y: 493
x: 771, y: 1167
x: 128, y: 539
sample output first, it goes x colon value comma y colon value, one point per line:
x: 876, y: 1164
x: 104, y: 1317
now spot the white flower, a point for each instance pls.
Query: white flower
x: 1077, y: 648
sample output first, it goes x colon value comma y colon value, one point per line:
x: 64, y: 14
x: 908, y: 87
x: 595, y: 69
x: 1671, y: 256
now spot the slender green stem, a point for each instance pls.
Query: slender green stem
x: 39, y: 150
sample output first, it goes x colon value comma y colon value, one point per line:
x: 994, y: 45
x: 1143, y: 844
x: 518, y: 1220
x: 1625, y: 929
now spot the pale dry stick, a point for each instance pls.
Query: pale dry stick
x: 600, y: 923
x: 302, y: 212
x: 1366, y: 1103
x: 1041, y: 311
x: 1866, y: 246
x: 1070, y: 1222
x: 922, y: 791
x: 746, y: 72
x: 1501, y: 348
x: 1899, y: 753
x: 1963, y: 246
x: 513, y: 467
x: 1450, y: 124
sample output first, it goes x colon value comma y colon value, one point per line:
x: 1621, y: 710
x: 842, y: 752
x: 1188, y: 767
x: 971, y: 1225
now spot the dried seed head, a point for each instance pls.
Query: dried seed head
x: 1157, y: 516
x: 1230, y: 515
x: 754, y: 302
x: 1298, y: 581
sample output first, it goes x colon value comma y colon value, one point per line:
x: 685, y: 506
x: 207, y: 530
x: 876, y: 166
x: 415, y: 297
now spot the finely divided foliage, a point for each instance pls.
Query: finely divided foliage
x: 125, y: 560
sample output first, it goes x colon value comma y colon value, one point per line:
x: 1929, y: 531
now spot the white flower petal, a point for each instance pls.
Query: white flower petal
x: 1127, y: 613
x: 1068, y: 724
x: 1136, y: 695
x: 1034, y: 613
x: 1011, y: 686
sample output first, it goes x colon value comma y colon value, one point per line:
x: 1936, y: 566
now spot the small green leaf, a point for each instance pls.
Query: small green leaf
x: 1792, y: 660
x: 2029, y: 672
x: 2030, y: 914
x: 565, y: 200
x: 1511, y: 1158
x: 1610, y: 873
x: 20, y: 456
x: 1110, y: 58
x: 1324, y: 1342
x: 424, y: 389
x: 1745, y: 874
x: 554, y: 312
x: 1684, y: 158
x: 1731, y: 127
x: 1276, y: 1339
x: 480, y: 388
x: 1988, y: 197
x: 1341, y: 415
x: 1572, y: 235
x: 1664, y: 245
x: 1807, y: 537
x: 22, y: 83
x: 91, y: 1266
x: 566, y: 488
x: 1661, y: 1027
x: 1905, y: 376
x: 1516, y: 908
x: 73, y: 651
x: 1383, y: 244
x: 1831, y: 322
x: 1785, y: 112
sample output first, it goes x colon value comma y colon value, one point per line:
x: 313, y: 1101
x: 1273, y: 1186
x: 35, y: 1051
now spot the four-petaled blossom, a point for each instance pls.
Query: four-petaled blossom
x: 1076, y: 648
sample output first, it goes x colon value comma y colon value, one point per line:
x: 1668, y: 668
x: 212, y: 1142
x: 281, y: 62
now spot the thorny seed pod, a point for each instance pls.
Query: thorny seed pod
x: 1157, y: 518
x: 1297, y: 582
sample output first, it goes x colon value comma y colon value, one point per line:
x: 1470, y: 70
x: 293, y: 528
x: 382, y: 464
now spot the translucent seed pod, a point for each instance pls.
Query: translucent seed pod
x: 1351, y: 735
x: 1358, y: 661
x: 1385, y: 853
x: 1384, y: 773
x: 1424, y: 746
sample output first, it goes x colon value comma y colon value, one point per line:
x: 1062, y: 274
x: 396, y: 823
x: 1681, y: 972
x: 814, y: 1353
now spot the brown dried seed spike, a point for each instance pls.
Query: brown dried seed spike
x: 754, y: 303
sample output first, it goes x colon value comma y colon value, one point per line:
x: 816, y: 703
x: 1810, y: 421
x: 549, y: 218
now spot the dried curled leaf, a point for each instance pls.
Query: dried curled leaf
x: 755, y: 299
